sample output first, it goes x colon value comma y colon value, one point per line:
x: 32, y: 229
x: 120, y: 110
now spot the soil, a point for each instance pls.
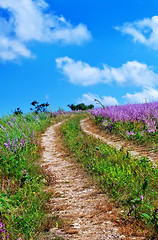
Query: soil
x: 86, y: 212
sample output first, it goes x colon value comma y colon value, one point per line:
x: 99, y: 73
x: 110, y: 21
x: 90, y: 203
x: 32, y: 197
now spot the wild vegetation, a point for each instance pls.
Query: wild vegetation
x: 22, y: 182
x: 131, y: 182
x: 137, y: 122
x: 80, y: 106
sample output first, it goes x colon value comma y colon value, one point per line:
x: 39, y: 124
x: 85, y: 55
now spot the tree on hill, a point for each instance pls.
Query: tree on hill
x: 39, y: 107
x: 80, y: 106
x: 17, y: 111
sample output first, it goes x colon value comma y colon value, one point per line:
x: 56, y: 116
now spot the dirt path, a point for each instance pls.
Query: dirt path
x: 87, y: 212
x: 89, y: 128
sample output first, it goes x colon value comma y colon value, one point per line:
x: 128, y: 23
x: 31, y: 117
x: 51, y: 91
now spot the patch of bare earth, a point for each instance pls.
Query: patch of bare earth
x: 134, y: 149
x: 86, y: 211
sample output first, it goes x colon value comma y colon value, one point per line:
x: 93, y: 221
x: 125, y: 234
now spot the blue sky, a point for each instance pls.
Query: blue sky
x: 70, y: 51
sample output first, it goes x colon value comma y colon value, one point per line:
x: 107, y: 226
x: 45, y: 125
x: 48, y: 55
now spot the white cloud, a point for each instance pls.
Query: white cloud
x: 88, y: 98
x: 148, y: 94
x: 71, y: 35
x: 130, y: 73
x: 144, y: 31
x: 79, y: 72
x: 30, y: 20
x: 10, y: 49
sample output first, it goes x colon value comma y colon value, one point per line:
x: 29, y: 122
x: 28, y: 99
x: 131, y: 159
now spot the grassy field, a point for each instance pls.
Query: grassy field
x: 135, y: 122
x: 22, y: 196
x: 131, y: 182
x: 23, y: 199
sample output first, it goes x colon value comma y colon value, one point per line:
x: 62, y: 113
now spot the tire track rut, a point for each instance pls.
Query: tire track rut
x: 86, y: 210
x: 89, y: 128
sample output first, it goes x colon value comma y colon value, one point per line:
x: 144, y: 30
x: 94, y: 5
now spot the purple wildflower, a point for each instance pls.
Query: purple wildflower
x: 6, y: 145
x: 141, y: 198
x: 32, y: 135
x: 10, y: 124
x: 22, y: 144
x: 6, y: 134
x: 146, y: 114
x: 3, y: 128
x: 14, y: 120
x: 15, y: 144
x: 8, y: 141
x: 130, y: 133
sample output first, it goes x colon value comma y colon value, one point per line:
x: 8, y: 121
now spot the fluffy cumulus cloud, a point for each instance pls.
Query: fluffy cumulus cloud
x: 10, y: 49
x: 79, y: 72
x: 144, y: 31
x: 147, y: 94
x: 88, y: 98
x: 31, y: 20
x: 130, y: 73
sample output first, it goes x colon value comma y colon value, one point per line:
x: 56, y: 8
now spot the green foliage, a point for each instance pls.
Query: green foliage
x: 133, y: 131
x: 38, y: 108
x: 80, y: 106
x: 17, y: 111
x: 125, y: 178
x: 22, y: 198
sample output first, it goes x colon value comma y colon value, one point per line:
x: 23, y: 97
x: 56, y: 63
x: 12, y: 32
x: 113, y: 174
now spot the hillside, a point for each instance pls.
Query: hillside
x: 80, y: 187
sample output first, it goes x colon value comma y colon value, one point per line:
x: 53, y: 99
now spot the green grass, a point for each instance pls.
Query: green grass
x: 133, y: 131
x: 23, y: 199
x: 123, y: 177
x: 22, y: 182
x: 22, y: 196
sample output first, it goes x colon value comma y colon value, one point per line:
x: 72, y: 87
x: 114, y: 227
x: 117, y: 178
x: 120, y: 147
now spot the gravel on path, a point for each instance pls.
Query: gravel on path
x: 85, y: 209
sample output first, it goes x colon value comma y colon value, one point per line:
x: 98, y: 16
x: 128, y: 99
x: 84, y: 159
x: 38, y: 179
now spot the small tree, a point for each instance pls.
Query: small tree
x: 18, y: 111
x: 72, y: 106
x: 39, y: 107
x: 80, y: 106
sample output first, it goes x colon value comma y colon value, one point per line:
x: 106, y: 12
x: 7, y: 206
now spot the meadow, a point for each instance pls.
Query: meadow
x: 22, y: 182
x: 131, y: 182
x: 137, y: 122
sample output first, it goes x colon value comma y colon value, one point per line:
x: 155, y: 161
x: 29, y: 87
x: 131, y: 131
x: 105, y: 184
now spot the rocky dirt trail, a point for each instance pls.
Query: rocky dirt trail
x: 89, y: 128
x: 86, y: 211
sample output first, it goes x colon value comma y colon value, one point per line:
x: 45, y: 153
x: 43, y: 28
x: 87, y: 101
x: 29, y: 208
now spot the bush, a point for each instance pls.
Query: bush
x: 80, y: 106
x: 39, y: 107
